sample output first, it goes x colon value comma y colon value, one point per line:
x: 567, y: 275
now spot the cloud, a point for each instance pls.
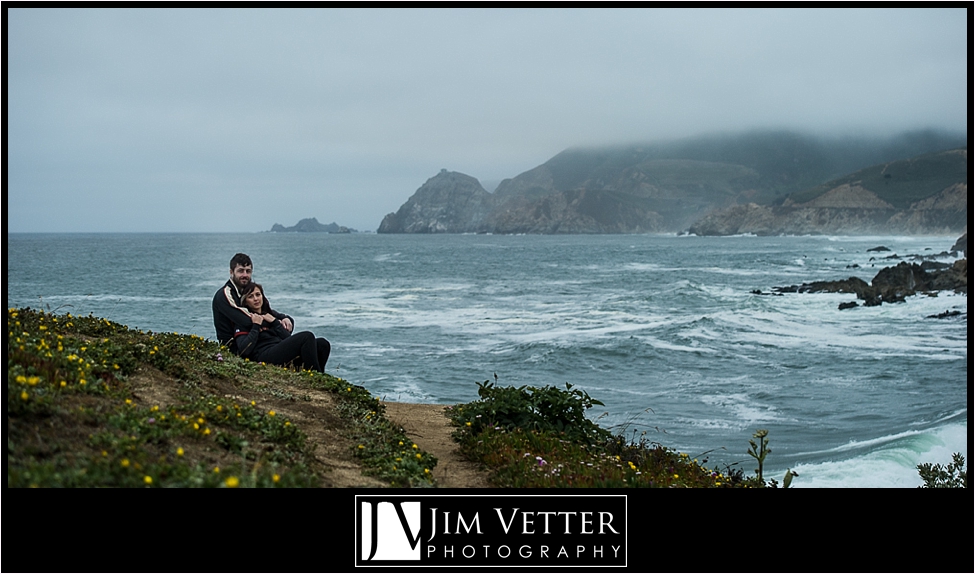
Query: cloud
x: 158, y: 119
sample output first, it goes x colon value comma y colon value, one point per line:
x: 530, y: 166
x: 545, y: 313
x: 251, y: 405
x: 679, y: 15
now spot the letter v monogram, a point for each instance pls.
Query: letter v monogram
x: 414, y: 540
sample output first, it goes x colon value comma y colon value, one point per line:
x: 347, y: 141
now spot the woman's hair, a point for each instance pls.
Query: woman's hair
x: 250, y: 288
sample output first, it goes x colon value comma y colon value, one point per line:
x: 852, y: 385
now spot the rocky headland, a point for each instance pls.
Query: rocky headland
x: 767, y: 183
x: 449, y: 202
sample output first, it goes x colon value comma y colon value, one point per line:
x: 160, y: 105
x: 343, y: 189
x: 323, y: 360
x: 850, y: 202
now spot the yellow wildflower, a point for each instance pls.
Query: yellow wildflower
x: 232, y: 482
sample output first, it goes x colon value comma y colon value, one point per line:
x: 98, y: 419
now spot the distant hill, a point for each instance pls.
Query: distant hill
x: 653, y: 187
x: 311, y: 226
x: 927, y: 194
x: 449, y: 202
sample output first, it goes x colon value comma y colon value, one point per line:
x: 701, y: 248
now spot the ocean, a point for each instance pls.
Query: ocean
x: 663, y: 329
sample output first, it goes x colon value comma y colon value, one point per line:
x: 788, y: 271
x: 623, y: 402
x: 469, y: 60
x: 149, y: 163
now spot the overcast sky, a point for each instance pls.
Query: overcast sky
x: 232, y: 120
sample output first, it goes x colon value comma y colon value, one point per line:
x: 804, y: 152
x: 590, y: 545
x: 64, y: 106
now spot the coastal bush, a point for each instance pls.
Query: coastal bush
x: 534, y: 409
x: 539, y: 438
x: 948, y: 476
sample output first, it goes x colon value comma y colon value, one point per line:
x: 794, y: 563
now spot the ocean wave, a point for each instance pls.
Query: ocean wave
x: 885, y: 462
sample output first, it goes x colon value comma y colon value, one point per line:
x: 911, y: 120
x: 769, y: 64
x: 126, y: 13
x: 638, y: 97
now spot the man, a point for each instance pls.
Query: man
x: 228, y: 313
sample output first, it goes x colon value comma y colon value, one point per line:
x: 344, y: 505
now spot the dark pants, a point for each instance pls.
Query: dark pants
x: 301, y: 348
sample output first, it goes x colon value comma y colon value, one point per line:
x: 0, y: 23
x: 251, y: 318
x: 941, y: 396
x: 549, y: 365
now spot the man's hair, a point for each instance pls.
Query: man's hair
x: 240, y: 259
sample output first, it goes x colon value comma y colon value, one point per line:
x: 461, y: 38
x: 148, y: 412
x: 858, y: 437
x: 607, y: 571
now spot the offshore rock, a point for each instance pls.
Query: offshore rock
x: 893, y: 284
x: 945, y: 315
x: 311, y: 226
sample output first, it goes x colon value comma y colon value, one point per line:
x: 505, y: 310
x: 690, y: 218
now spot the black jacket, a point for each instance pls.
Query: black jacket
x: 252, y: 341
x: 229, y: 315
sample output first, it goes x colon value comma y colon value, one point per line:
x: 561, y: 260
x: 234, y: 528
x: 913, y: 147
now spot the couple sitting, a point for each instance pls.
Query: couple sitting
x: 246, y: 323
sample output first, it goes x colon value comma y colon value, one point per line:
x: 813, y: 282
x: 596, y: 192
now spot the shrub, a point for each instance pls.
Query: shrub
x: 949, y: 476
x: 532, y: 409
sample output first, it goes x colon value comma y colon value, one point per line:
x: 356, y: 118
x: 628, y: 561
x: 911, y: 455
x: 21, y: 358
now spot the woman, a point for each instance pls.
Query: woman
x: 268, y: 341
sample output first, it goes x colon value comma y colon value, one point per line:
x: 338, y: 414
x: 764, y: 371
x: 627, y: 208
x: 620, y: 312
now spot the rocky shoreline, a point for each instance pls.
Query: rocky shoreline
x: 894, y: 284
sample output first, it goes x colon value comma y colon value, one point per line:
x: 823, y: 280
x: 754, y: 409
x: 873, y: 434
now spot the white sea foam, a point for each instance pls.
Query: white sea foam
x: 889, y: 462
x: 387, y: 258
x: 745, y: 409
x: 658, y: 344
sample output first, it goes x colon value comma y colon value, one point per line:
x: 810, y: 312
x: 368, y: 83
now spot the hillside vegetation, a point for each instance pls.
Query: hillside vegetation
x: 92, y: 403
x: 901, y: 183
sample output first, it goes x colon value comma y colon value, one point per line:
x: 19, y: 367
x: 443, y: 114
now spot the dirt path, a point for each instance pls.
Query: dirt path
x: 429, y: 428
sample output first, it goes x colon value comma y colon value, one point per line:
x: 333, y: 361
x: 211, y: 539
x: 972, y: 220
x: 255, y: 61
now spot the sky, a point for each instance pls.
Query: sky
x: 231, y: 120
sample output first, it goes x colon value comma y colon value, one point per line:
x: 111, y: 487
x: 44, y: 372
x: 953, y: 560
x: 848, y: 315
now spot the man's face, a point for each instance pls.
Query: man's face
x: 241, y: 275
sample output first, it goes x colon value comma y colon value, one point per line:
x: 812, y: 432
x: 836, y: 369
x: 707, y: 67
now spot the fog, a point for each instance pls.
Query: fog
x: 235, y: 119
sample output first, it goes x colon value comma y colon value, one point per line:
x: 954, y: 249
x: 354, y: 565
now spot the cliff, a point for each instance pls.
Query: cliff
x: 763, y: 178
